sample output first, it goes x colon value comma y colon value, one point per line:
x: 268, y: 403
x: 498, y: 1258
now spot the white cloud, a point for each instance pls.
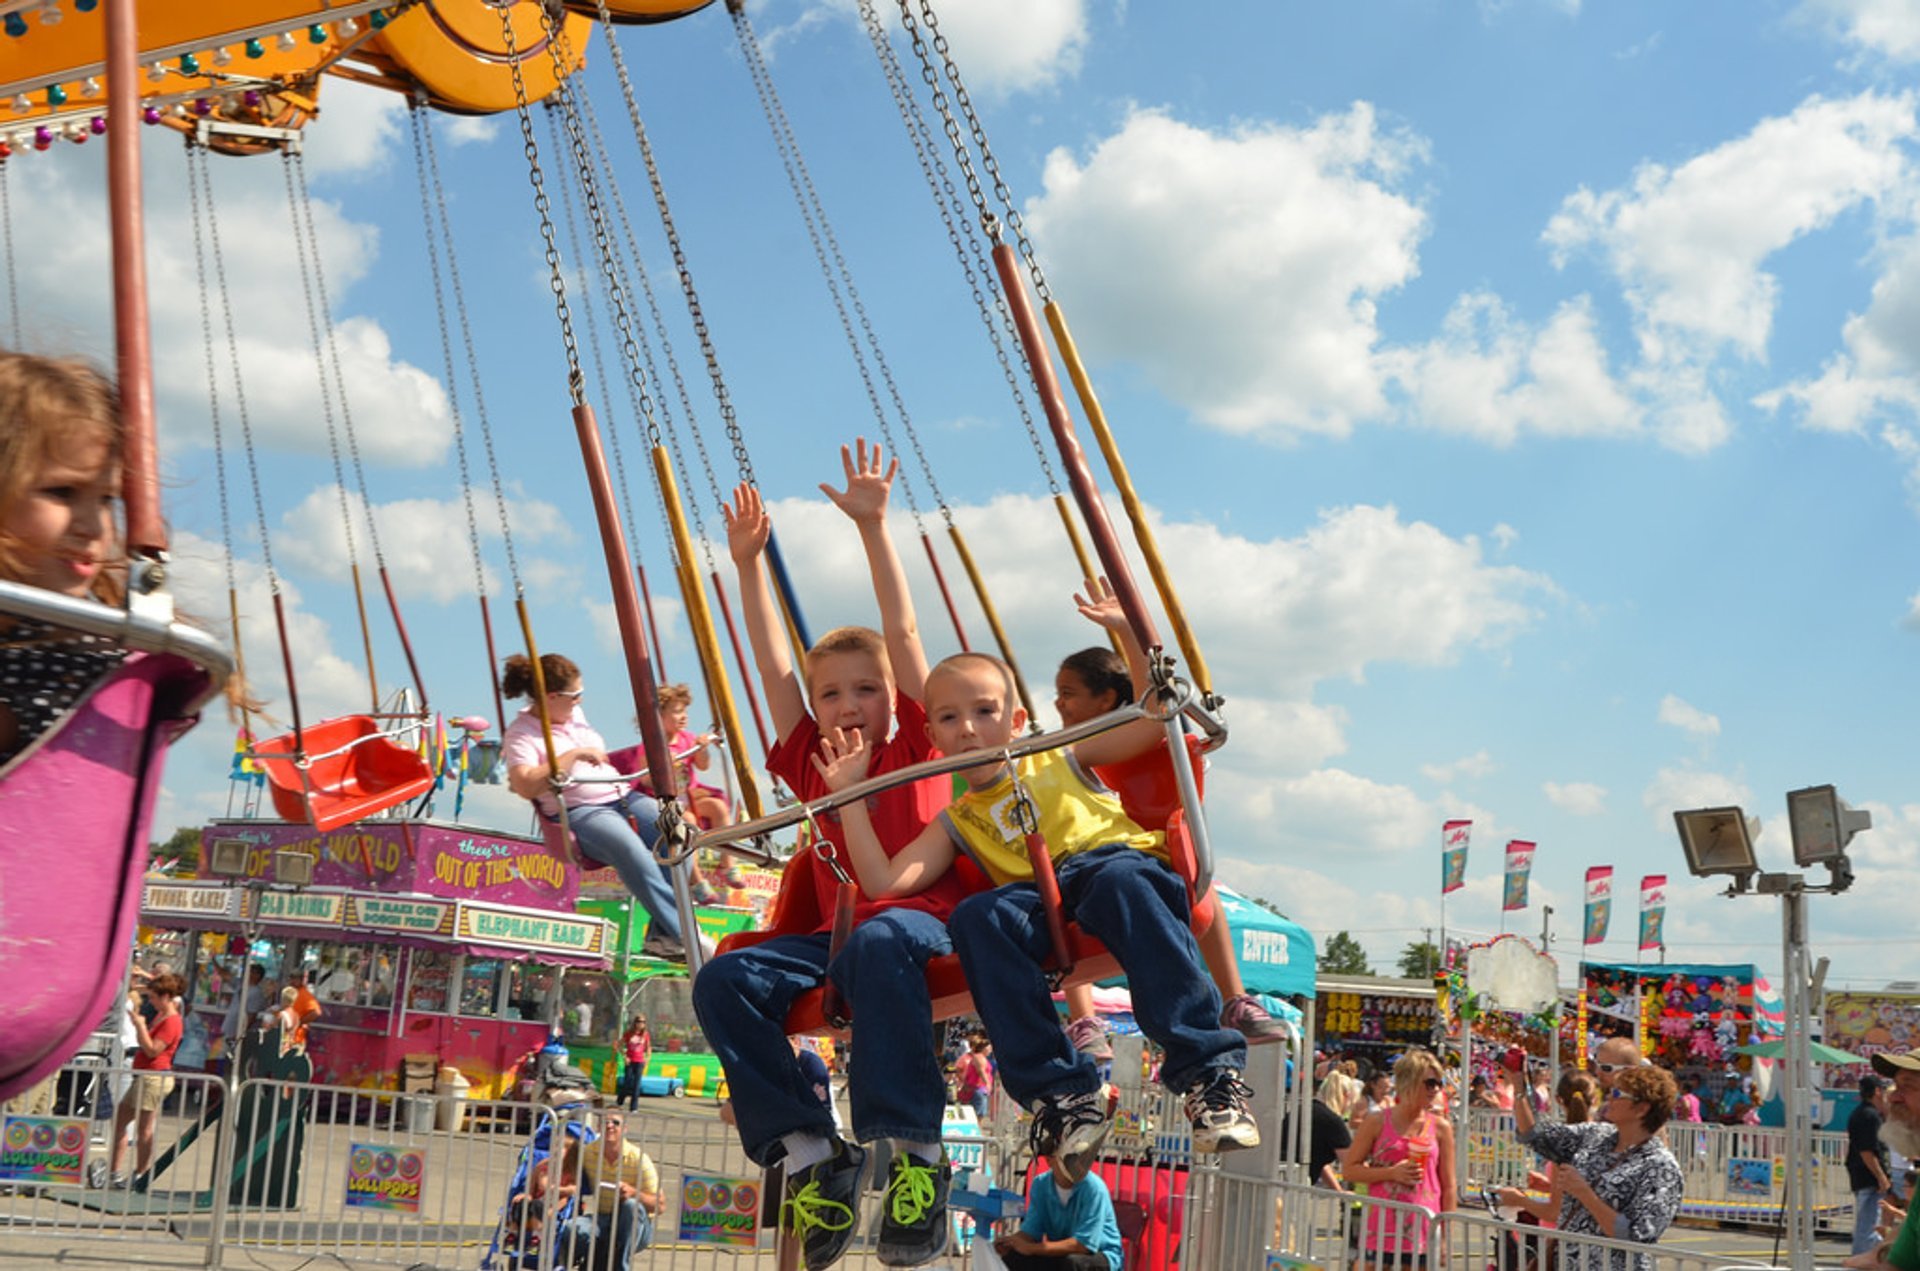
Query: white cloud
x: 1688, y: 243
x: 1491, y: 377
x: 1877, y: 376
x: 1673, y: 789
x: 1254, y: 260
x: 1576, y: 798
x: 1002, y: 47
x: 1890, y: 28
x: 1688, y: 718
x: 1477, y: 764
x: 422, y: 539
x: 1912, y: 620
x: 472, y: 130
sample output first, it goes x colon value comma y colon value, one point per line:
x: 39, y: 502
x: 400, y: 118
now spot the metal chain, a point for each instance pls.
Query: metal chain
x: 333, y: 354
x: 239, y: 388
x: 817, y: 230
x: 313, y: 328
x: 445, y: 224
x: 556, y: 277
x: 992, y: 165
x: 585, y: 291
x: 196, y: 166
x: 989, y: 223
x: 416, y: 125
x: 597, y: 222
x: 6, y: 244
x: 743, y: 461
x: 970, y: 253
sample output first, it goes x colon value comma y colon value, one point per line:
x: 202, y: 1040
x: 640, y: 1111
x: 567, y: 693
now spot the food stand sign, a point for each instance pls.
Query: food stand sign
x: 190, y: 900
x: 42, y: 1150
x: 385, y: 1177
x: 720, y: 1211
x: 412, y: 917
x: 521, y: 929
x: 420, y: 857
x: 298, y: 908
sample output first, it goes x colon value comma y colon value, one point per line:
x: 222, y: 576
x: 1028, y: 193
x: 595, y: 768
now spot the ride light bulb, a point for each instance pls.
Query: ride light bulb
x: 50, y: 15
x: 223, y: 56
x: 97, y: 125
x: 22, y: 104
x: 42, y: 137
x: 150, y: 115
x: 285, y: 41
x: 89, y: 87
x: 348, y: 28
x: 256, y: 49
x: 56, y: 95
x: 156, y: 72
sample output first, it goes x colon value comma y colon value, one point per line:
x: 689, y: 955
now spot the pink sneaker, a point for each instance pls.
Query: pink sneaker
x: 1089, y: 1037
x: 1251, y: 1020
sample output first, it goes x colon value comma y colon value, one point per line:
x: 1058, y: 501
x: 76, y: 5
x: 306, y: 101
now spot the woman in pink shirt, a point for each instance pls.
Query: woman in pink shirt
x: 613, y: 823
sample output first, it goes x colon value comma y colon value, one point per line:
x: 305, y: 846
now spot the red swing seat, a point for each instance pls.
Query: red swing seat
x: 1151, y: 796
x: 358, y: 772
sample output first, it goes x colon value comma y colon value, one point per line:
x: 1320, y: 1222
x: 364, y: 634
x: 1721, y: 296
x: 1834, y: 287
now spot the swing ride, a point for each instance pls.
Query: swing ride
x: 246, y: 80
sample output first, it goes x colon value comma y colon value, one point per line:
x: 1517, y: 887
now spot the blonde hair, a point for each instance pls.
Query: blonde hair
x: 46, y: 405
x: 849, y: 640
x: 1340, y: 1093
x: 672, y: 695
x: 953, y: 664
x: 1411, y: 1069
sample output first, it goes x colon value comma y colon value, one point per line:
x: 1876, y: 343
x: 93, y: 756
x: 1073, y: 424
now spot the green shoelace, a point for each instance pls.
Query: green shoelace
x: 910, y: 1191
x: 807, y: 1209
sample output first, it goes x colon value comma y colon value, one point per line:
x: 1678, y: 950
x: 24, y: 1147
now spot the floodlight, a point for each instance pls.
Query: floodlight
x: 1718, y: 841
x: 1822, y: 824
x: 228, y: 857
x: 294, y: 868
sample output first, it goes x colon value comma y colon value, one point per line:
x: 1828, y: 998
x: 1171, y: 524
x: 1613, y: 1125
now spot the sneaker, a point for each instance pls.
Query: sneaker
x: 913, y: 1213
x: 1090, y: 1037
x: 821, y: 1202
x: 1069, y: 1129
x: 1250, y: 1019
x: 664, y: 947
x: 1218, y: 1105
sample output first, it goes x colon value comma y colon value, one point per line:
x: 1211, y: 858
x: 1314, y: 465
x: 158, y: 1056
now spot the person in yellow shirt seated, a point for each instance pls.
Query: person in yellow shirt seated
x: 619, y: 1199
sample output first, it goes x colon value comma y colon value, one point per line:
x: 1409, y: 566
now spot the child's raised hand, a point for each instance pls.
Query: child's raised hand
x: 1101, y: 606
x: 748, y: 525
x: 868, y: 484
x: 843, y: 758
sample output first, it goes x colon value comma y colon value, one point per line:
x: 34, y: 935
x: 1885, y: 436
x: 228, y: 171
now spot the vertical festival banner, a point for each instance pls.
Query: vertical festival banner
x: 1519, y: 867
x: 1453, y: 855
x: 1599, y: 903
x: 1653, y: 911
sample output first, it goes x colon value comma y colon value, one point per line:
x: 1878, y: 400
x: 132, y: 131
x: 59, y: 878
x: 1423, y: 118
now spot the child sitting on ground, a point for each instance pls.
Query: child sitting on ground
x: 1067, y: 1227
x: 858, y: 683
x: 1114, y: 881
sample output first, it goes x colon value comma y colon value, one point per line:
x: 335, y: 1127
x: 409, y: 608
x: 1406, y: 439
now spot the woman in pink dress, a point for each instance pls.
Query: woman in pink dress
x: 1405, y: 1154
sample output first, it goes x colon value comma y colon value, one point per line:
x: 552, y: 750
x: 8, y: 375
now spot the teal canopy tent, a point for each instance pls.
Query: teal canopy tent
x: 1276, y: 954
x: 1819, y: 1053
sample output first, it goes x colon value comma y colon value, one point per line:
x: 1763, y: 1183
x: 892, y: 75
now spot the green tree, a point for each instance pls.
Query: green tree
x: 1419, y: 960
x: 184, y: 845
x: 1344, y: 956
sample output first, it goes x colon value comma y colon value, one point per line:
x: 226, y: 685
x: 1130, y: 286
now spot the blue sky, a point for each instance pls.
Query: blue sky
x: 1526, y: 392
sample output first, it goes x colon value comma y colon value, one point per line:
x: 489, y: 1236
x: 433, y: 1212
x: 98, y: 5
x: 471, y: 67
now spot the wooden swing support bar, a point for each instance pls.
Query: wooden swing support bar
x: 133, y: 340
x: 1129, y: 498
x: 700, y: 618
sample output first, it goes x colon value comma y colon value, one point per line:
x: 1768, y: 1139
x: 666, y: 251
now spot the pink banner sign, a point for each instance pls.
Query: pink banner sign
x: 419, y: 858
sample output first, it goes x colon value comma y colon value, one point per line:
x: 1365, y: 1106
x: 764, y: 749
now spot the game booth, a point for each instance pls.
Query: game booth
x: 419, y: 938
x: 1690, y: 1017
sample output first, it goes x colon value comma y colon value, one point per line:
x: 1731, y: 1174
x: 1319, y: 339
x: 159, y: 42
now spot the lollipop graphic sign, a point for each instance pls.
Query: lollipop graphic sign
x: 719, y: 1211
x: 42, y: 1150
x: 380, y: 1177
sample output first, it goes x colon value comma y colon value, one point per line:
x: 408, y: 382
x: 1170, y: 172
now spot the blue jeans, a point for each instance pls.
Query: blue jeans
x: 606, y: 1242
x: 1138, y: 908
x: 1866, y: 1216
x: 608, y: 837
x: 898, y: 1091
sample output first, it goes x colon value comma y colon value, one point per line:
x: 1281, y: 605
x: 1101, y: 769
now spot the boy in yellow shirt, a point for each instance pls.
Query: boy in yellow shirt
x: 1114, y: 881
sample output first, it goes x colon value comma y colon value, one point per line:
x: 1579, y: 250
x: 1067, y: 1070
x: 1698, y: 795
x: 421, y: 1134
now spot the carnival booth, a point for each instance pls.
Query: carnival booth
x: 1690, y: 1017
x: 418, y: 938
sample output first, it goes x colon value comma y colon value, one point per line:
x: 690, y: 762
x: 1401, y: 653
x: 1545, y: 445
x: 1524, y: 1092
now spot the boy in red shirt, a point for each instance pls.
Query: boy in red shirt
x: 868, y: 684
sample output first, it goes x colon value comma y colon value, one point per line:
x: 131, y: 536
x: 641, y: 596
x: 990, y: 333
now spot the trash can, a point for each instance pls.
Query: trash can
x: 451, y: 1089
x: 420, y: 1113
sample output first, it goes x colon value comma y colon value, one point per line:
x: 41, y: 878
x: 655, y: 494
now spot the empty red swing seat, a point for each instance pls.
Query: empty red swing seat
x: 357, y: 772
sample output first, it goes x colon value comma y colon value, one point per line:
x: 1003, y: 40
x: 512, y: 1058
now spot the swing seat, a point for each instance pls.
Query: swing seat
x: 1151, y: 796
x: 75, y: 810
x: 358, y: 772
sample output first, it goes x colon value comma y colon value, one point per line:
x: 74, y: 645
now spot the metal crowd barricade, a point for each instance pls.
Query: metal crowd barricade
x: 1733, y: 1173
x: 57, y: 1178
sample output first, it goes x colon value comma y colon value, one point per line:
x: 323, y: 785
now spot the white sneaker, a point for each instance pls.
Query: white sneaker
x: 1220, y: 1107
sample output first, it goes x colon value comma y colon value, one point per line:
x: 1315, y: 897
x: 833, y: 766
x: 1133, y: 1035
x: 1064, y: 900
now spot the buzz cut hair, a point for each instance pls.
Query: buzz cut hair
x: 955, y: 663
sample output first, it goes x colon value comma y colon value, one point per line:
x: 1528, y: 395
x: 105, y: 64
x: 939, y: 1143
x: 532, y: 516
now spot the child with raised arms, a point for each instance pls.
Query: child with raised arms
x: 860, y: 684
x: 1115, y: 881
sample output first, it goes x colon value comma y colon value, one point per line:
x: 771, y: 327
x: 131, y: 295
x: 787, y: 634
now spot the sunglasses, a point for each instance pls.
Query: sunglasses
x: 1433, y: 1083
x: 572, y: 694
x: 1610, y: 1069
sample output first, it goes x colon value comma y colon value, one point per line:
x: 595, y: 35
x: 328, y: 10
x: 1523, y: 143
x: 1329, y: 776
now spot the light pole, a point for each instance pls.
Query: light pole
x: 1720, y: 841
